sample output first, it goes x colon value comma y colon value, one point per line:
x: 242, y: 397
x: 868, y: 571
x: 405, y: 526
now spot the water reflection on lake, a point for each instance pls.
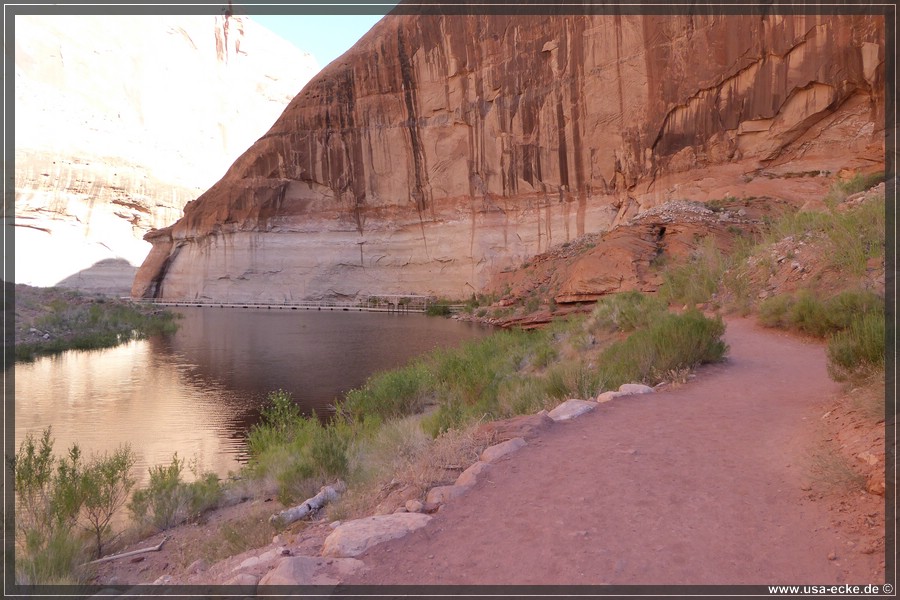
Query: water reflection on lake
x: 199, y: 390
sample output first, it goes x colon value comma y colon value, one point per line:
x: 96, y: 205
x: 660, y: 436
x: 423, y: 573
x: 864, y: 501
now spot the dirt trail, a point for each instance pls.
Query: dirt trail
x: 701, y: 484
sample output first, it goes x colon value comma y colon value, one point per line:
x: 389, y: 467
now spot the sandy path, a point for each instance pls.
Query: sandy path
x: 696, y: 485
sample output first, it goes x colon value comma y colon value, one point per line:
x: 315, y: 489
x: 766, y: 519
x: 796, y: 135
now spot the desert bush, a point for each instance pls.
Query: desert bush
x: 160, y: 503
x: 390, y: 394
x: 808, y: 314
x: 849, y: 238
x: 468, y: 379
x: 437, y: 310
x: 519, y: 395
x: 105, y: 485
x: 297, y: 451
x: 278, y: 423
x: 698, y: 279
x: 572, y: 379
x: 60, y: 498
x: 390, y: 449
x: 47, y: 505
x: 543, y: 353
x: 450, y: 415
x: 670, y: 342
x: 626, y: 311
x: 169, y: 500
x: 852, y: 322
x: 858, y: 183
x: 858, y: 348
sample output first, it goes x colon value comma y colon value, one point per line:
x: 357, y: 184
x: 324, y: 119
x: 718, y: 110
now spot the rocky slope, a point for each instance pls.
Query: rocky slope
x: 121, y: 120
x: 442, y: 149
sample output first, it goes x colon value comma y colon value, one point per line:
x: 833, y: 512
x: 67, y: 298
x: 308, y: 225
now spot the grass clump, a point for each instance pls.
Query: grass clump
x: 671, y: 342
x: 438, y: 310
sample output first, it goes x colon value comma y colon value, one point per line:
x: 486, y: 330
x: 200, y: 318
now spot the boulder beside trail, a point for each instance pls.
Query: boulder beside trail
x: 355, y: 537
x: 627, y: 389
x: 572, y: 408
x: 492, y: 453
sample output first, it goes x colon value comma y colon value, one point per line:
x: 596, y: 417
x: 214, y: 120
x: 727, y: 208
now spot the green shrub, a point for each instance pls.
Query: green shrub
x: 858, y: 183
x: 51, y: 560
x: 162, y: 502
x: 105, y: 485
x: 519, y: 395
x: 808, y: 314
x: 555, y: 385
x: 543, y: 354
x: 671, y: 342
x: 572, y: 380
x: 390, y: 394
x: 451, y: 414
x: 48, y: 501
x: 278, y: 422
x: 298, y: 451
x: 390, y: 449
x: 626, y: 311
x: 849, y: 238
x: 532, y: 304
x: 858, y: 347
x: 204, y: 493
x: 168, y: 500
x: 437, y: 310
x: 774, y: 311
x: 805, y: 313
x: 697, y: 280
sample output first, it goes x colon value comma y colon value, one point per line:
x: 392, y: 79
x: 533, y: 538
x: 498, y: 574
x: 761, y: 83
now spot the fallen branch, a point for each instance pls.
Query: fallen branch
x: 155, y: 548
x: 325, y: 495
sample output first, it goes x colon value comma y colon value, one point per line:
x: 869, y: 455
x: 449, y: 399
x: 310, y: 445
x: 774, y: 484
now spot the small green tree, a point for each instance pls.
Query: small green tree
x: 48, y: 500
x: 105, y: 485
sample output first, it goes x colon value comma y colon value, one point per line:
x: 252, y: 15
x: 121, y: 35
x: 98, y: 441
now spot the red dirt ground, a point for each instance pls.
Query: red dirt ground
x: 709, y: 483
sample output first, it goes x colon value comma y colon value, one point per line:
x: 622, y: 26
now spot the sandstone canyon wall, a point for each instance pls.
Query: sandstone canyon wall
x: 121, y: 120
x: 442, y: 149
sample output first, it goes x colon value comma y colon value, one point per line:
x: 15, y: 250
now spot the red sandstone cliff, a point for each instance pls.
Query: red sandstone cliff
x: 443, y: 148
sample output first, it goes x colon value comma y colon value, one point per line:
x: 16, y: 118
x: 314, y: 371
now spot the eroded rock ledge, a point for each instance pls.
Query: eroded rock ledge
x: 441, y: 149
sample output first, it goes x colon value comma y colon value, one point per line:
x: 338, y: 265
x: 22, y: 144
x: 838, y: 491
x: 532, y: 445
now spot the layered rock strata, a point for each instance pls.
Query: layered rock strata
x: 121, y: 120
x: 442, y: 149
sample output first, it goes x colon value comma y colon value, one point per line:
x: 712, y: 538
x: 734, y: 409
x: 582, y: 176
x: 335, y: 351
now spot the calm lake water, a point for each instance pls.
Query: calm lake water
x: 199, y: 390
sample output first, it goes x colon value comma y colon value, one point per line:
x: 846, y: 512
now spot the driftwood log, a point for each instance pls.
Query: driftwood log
x: 155, y: 548
x: 327, y: 494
